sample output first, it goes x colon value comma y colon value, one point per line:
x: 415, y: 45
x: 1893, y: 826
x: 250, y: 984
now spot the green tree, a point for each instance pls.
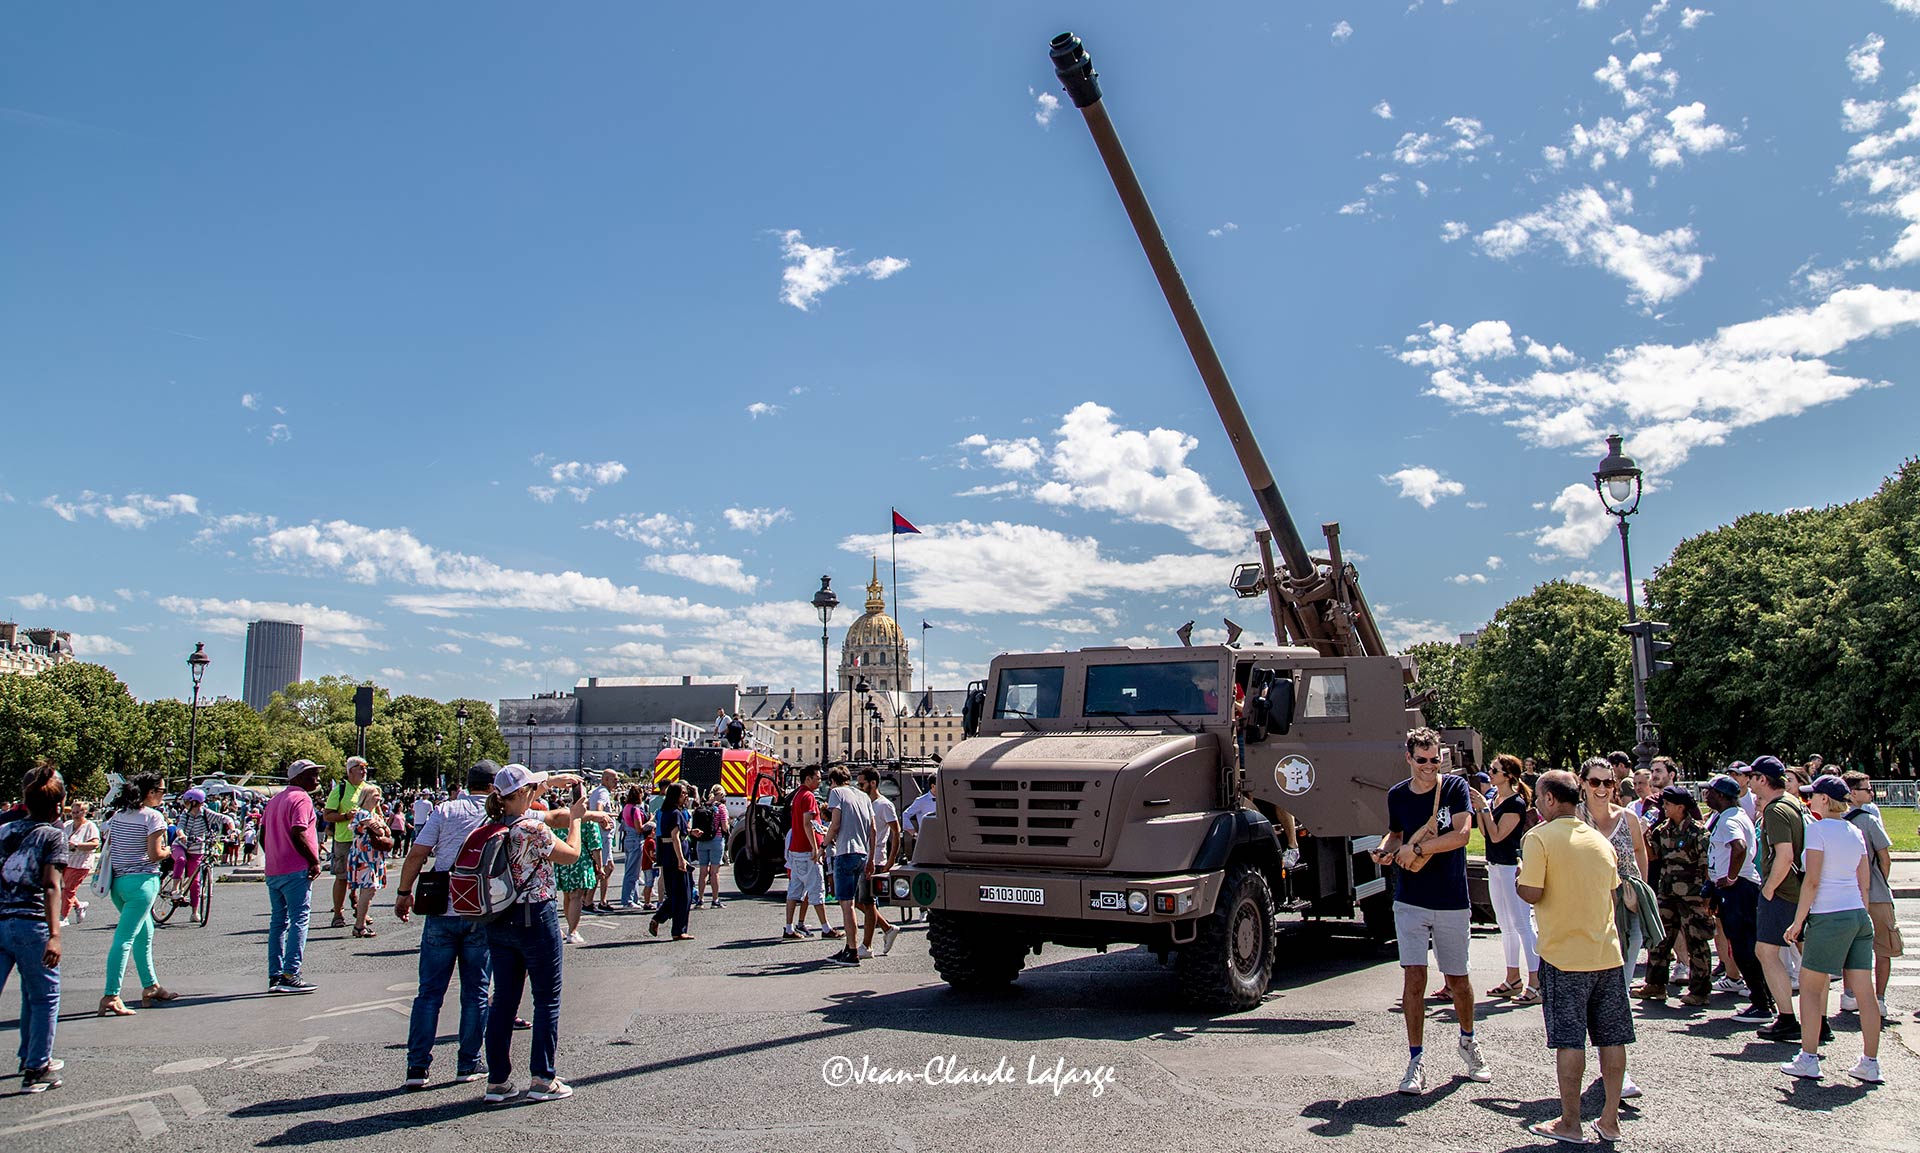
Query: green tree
x: 1443, y: 668
x: 107, y: 723
x: 1549, y: 676
x: 35, y: 721
x: 482, y: 734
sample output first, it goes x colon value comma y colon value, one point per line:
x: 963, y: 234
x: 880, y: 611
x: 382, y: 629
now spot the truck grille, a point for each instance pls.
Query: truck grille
x: 1044, y: 816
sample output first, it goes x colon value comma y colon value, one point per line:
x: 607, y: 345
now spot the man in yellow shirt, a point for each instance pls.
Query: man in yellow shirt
x: 342, y: 799
x: 1568, y: 873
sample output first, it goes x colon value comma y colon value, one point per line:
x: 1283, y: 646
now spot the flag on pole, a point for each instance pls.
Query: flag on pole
x: 924, y: 626
x: 902, y: 524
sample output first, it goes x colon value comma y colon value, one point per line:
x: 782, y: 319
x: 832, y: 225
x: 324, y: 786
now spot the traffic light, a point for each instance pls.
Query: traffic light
x: 1648, y: 648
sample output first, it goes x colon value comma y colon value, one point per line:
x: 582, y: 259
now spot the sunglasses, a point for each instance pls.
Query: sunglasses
x: 1426, y: 760
x: 1601, y: 782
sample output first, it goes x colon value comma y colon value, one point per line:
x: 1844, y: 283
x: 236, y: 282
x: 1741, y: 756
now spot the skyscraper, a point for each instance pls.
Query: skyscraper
x: 273, y: 660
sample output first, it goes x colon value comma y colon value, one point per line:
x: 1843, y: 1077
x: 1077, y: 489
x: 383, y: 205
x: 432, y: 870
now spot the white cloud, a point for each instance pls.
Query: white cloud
x: 1002, y: 489
x: 1342, y: 31
x: 1383, y: 110
x: 1045, y: 107
x: 760, y: 408
x: 97, y: 645
x: 604, y: 473
x: 1229, y: 226
x: 460, y: 582
x: 1443, y: 346
x: 328, y: 627
x: 704, y: 568
x: 1688, y: 132
x: 448, y: 648
x: 997, y: 567
x: 1863, y: 60
x: 812, y: 270
x: 135, y: 510
x: 279, y: 434
x: 1582, y: 222
x: 1424, y: 485
x: 755, y: 520
x: 1494, y: 563
x: 1401, y: 635
x: 1420, y: 148
x: 1610, y: 583
x: 1476, y: 578
x: 1453, y: 230
x: 497, y: 640
x: 655, y: 530
x: 124, y: 594
x: 1143, y: 477
x: 1862, y: 115
x: 1353, y: 208
x: 1584, y: 523
x: 248, y: 400
x: 41, y: 602
x: 1690, y: 17
x: 543, y: 493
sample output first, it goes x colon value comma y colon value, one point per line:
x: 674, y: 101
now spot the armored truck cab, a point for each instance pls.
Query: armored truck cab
x: 1109, y: 795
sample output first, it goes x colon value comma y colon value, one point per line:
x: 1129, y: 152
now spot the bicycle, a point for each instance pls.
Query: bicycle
x: 174, y: 893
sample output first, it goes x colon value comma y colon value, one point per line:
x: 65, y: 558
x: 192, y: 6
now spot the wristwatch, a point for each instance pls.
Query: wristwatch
x: 404, y: 893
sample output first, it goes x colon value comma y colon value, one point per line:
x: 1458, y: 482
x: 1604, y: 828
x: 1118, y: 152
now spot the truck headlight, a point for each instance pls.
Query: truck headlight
x: 1136, y: 900
x: 902, y: 887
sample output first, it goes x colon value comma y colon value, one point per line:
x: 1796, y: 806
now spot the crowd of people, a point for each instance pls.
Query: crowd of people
x: 1786, y: 882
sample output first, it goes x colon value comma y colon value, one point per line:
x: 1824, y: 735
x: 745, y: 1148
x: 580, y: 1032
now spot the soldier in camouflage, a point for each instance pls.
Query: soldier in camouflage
x: 1677, y: 848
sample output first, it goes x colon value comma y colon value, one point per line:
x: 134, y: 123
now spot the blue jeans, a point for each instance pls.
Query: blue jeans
x: 23, y: 945
x: 290, y: 896
x: 524, y: 943
x: 444, y: 941
x: 631, y: 843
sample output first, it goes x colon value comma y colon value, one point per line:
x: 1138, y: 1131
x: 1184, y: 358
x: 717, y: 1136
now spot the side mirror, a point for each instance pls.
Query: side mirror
x: 970, y: 713
x: 1270, y: 708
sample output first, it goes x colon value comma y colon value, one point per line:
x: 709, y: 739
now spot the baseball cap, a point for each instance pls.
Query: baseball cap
x: 515, y: 777
x: 1770, y: 768
x: 1725, y: 785
x: 1828, y: 786
x: 301, y: 767
x: 1482, y: 779
x: 1739, y: 767
x: 1678, y: 795
x: 480, y: 776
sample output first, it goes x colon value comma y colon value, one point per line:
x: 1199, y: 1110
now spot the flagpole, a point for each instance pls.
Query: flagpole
x: 899, y: 727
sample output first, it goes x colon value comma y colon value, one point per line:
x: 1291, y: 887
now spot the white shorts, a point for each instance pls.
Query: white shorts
x: 804, y: 880
x: 1448, y: 930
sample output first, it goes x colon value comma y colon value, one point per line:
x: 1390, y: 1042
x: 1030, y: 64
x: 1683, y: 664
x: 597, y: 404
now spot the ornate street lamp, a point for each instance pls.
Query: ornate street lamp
x: 533, y: 722
x: 824, y: 602
x: 197, y: 663
x: 1618, y: 480
x: 439, y: 772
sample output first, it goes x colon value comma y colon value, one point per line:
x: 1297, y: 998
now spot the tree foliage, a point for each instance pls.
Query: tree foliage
x: 1549, y: 676
x: 1796, y: 633
x: 1443, y: 668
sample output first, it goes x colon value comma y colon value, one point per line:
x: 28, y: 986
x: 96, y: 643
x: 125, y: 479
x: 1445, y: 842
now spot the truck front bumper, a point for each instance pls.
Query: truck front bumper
x: 1071, y: 896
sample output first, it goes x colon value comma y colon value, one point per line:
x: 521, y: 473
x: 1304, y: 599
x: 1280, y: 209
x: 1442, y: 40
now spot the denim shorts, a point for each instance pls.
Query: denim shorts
x: 1772, y: 919
x: 709, y: 851
x: 849, y: 869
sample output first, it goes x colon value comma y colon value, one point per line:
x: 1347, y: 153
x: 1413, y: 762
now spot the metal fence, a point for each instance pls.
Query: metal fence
x: 1892, y: 794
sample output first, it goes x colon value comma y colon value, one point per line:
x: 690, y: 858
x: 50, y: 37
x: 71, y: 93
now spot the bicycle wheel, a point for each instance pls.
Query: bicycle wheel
x: 163, y: 905
x: 205, y: 909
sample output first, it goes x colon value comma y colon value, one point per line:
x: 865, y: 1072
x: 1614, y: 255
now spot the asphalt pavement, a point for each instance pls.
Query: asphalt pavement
x: 738, y: 1041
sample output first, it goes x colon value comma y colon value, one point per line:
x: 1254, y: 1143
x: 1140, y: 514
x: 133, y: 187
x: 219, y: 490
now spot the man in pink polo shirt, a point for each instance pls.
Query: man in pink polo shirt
x: 292, y: 862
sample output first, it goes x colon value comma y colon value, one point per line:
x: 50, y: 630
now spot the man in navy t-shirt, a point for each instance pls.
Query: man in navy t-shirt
x: 1428, y: 831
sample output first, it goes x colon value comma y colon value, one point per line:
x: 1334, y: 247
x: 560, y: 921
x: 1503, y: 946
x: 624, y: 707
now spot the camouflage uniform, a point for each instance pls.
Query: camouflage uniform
x: 1679, y: 857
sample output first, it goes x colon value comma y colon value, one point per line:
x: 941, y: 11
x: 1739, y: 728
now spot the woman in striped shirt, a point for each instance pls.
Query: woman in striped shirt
x: 136, y: 844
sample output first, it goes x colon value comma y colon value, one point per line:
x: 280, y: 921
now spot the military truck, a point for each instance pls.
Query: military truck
x: 1108, y: 795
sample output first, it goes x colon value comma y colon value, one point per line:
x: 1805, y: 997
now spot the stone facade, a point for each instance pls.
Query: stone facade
x: 30, y: 651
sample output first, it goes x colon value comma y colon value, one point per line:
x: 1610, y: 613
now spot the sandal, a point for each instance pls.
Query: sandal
x: 339, y: 921
x: 155, y: 994
x: 1526, y: 997
x: 114, y: 1007
x: 1546, y: 1130
x: 1505, y: 989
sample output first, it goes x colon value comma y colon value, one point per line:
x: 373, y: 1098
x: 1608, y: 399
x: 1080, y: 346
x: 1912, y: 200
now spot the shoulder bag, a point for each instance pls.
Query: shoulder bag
x: 1427, y: 831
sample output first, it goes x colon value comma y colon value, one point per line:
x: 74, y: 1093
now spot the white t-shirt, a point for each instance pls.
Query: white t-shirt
x: 85, y: 832
x: 1750, y: 805
x: 599, y: 798
x: 885, y: 816
x: 1840, y: 846
x: 919, y: 810
x: 1732, y: 825
x: 422, y: 809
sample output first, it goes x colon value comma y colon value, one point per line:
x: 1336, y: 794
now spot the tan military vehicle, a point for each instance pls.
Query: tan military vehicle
x: 1110, y: 795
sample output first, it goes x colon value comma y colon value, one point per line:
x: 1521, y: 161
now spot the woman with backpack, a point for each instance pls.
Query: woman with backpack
x: 1503, y: 822
x: 524, y: 941
x: 710, y: 844
x: 673, y: 847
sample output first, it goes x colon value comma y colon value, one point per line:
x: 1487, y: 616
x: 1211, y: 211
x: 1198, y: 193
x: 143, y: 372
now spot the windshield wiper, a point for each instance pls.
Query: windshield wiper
x: 1022, y: 714
x: 1112, y: 714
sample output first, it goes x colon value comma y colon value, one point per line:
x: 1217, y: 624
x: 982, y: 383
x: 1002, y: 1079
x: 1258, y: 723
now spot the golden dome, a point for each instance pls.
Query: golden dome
x: 875, y: 630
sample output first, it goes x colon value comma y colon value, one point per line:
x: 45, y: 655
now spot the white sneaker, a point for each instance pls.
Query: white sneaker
x: 1848, y: 1004
x: 1804, y: 1064
x: 1866, y: 1069
x: 889, y: 936
x: 1883, y: 1010
x: 865, y: 953
x: 1628, y: 1090
x: 1476, y: 1062
x: 1680, y: 973
x: 1290, y: 859
x: 1415, y: 1082
x: 554, y: 1090
x: 1729, y: 985
x: 80, y: 911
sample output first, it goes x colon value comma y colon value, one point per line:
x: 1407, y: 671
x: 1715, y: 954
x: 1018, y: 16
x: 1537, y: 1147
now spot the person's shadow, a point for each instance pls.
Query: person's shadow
x: 1384, y: 1111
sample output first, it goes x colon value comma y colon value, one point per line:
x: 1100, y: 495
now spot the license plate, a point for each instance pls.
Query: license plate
x: 1007, y: 896
x: 1105, y: 902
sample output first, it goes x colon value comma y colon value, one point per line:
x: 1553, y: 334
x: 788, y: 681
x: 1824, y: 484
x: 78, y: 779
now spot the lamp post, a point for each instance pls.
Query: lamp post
x: 223, y: 756
x: 533, y: 722
x: 1618, y: 481
x: 824, y: 602
x: 197, y: 663
x: 439, y: 768
x: 464, y: 743
x: 166, y: 769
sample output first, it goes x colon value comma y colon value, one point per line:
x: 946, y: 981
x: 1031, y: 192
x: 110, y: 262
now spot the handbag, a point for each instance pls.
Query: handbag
x: 103, y: 876
x: 1430, y: 829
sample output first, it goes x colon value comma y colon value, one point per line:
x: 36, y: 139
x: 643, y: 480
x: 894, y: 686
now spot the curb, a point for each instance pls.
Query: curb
x: 1909, y: 893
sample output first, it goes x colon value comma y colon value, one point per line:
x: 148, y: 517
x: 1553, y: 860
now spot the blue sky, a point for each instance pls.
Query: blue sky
x: 503, y: 348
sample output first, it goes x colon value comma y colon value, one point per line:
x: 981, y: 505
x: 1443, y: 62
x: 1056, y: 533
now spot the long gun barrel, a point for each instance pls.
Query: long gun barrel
x: 1323, y: 610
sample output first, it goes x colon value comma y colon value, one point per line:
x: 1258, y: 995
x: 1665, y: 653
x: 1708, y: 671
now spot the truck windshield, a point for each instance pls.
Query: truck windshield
x: 1170, y: 688
x: 1029, y: 693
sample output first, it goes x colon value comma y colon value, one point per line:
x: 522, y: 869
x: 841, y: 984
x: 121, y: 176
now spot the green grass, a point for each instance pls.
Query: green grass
x: 1903, y: 829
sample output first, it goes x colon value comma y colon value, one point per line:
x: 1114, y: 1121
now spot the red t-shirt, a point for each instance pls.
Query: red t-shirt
x: 806, y: 808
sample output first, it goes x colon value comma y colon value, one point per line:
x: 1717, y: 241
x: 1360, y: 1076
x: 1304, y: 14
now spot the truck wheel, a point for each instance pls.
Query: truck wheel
x: 973, y: 952
x: 753, y: 875
x: 1230, y: 962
